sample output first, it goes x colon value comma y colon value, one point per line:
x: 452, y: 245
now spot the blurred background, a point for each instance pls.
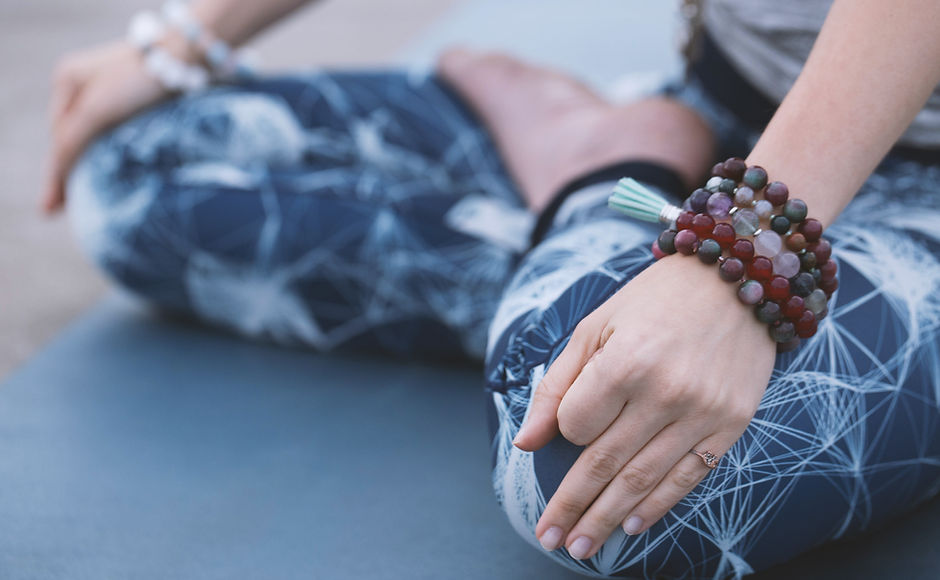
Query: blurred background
x: 44, y: 280
x: 114, y: 466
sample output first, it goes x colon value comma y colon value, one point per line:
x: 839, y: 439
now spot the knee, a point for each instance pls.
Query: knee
x: 683, y: 544
x: 104, y: 207
x: 218, y: 138
x: 679, y: 546
x: 112, y: 199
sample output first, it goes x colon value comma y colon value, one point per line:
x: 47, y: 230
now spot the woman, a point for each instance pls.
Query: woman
x: 374, y: 210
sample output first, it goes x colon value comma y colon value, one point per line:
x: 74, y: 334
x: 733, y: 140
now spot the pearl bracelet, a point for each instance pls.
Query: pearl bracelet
x: 224, y: 63
x: 145, y: 31
x: 759, y: 236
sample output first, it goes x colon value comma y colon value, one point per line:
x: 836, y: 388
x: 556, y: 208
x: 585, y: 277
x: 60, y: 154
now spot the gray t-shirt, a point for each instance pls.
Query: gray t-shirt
x: 768, y: 41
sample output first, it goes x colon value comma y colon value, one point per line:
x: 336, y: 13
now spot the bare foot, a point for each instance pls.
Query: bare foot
x: 551, y: 128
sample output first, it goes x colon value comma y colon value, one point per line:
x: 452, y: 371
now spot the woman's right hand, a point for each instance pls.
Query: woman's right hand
x: 92, y: 90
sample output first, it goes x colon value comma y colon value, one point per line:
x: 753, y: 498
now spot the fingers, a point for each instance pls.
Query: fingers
x: 66, y: 133
x: 541, y: 424
x: 632, y: 484
x: 65, y: 87
x: 71, y: 135
x: 65, y: 90
x: 594, y: 469
x: 70, y: 75
x: 598, y: 394
x: 76, y: 115
x: 681, y: 479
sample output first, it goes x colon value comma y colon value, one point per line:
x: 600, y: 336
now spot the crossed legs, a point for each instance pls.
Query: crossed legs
x: 373, y: 210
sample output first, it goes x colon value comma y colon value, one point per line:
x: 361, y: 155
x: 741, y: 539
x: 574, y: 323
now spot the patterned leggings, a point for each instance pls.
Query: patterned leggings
x: 371, y: 210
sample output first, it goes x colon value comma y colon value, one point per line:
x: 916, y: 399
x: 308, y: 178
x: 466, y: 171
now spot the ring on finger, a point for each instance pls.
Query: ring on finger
x: 708, y: 458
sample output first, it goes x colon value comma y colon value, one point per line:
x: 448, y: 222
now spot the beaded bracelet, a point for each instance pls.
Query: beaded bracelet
x: 148, y: 28
x: 224, y: 63
x: 145, y: 31
x: 785, y: 268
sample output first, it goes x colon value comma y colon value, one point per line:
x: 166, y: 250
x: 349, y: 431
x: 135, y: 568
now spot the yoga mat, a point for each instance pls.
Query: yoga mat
x: 136, y: 447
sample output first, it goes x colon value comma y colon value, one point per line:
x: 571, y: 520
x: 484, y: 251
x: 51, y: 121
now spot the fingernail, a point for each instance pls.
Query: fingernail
x: 551, y: 539
x: 633, y: 525
x: 580, y: 548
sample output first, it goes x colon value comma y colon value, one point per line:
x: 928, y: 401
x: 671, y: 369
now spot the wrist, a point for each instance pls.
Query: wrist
x: 182, y: 49
x: 817, y: 187
x: 714, y: 303
x: 180, y: 53
x: 771, y: 249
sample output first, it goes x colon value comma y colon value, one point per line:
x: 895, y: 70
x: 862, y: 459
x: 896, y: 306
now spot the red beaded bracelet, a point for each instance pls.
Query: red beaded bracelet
x: 758, y: 235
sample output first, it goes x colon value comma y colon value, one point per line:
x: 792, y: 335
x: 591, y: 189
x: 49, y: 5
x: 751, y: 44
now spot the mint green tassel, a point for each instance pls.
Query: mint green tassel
x: 642, y: 203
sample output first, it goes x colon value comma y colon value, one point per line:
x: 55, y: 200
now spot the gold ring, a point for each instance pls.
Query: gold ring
x: 709, y: 458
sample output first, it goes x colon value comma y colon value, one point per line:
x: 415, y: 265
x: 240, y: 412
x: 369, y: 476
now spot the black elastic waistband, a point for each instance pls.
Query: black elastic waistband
x: 726, y: 85
x: 646, y: 171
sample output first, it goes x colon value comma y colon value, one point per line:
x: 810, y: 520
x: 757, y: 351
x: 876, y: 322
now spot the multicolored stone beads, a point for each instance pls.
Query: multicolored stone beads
x: 762, y: 240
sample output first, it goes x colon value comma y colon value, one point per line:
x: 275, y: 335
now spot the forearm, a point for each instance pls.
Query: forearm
x: 871, y: 70
x: 236, y: 21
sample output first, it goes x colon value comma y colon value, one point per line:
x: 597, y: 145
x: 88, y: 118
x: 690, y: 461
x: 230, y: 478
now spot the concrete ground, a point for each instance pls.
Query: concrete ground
x: 44, y: 280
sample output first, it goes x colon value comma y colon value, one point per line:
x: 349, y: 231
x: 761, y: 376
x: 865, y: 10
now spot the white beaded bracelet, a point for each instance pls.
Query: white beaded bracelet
x: 223, y: 61
x: 145, y: 31
x: 173, y: 73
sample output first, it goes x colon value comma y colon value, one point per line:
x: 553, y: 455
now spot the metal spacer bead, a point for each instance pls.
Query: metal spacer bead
x: 669, y: 213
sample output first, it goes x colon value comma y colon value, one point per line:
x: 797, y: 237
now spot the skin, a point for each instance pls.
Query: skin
x: 95, y: 89
x: 637, y: 384
x: 551, y: 128
x: 843, y: 114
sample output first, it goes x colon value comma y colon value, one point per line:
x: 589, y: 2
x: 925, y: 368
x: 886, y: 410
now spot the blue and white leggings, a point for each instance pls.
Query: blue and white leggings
x: 372, y: 211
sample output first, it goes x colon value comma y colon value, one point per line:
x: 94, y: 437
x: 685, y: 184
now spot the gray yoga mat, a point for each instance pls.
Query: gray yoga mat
x: 138, y: 448
x: 135, y: 447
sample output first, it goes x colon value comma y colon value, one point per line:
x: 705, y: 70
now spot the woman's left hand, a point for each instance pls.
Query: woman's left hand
x: 671, y: 362
x: 92, y: 90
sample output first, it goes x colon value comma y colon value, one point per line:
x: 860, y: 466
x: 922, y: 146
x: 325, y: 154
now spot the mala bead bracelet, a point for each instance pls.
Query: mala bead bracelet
x: 759, y: 236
